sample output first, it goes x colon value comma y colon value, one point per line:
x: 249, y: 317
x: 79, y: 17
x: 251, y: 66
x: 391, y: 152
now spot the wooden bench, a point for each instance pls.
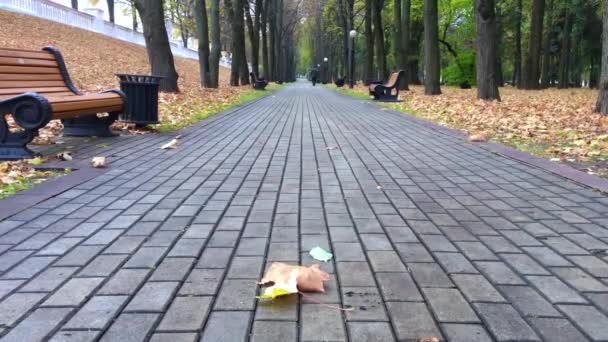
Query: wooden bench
x: 384, y: 91
x: 35, y: 87
x: 257, y: 83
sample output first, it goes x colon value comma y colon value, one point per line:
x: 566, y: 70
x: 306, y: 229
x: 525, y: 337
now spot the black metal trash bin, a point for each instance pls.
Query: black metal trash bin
x: 142, y: 98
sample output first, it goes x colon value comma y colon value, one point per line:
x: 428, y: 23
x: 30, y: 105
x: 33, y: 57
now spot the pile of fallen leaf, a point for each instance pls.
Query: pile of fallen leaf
x: 552, y: 123
x: 19, y: 175
x: 93, y: 60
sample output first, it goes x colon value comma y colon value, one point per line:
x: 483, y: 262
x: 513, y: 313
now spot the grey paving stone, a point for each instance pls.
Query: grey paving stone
x: 269, y: 331
x: 579, y: 279
x: 284, y: 308
x: 529, y: 301
x: 376, y: 242
x: 227, y: 326
x: 28, y: 268
x: 103, y: 237
x: 245, y: 267
x: 49, y: 279
x: 505, y: 323
x: 11, y: 258
x: 398, y: 287
x: 13, y: 307
x: 589, y: 319
x: 413, y: 252
x: 186, y: 314
x: 202, y: 282
x: 97, y: 313
x: 152, y: 297
x: 449, y: 305
x: 38, y: 325
x: 499, y: 244
x: 429, y: 275
x: 499, y: 273
x: 124, y: 282
x: 355, y: 274
x: 317, y: 324
x: 236, y: 294
x: 466, y: 333
x: 438, y: 243
x: 74, y: 292
x: 385, y: 261
x: 79, y: 256
x: 524, y: 265
x: 558, y: 330
x: 125, y: 245
x: 130, y: 327
x: 223, y: 239
x: 367, y: 303
x: 103, y: 265
x: 370, y: 332
x: 412, y: 321
x: 75, y: 336
x: 146, y: 257
x: 215, y: 258
x: 455, y: 263
x: 174, y: 269
x: 476, y: 288
x: 283, y: 251
x: 7, y: 286
x: 174, y: 337
x: 475, y: 250
x: 591, y: 264
x: 555, y: 290
x: 546, y: 256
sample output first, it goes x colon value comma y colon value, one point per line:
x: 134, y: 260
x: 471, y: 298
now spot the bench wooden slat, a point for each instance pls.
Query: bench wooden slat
x: 86, y: 97
x: 18, y: 61
x: 84, y: 105
x: 31, y: 77
x: 77, y: 113
x: 30, y: 84
x: 27, y: 54
x: 44, y: 90
x: 11, y: 69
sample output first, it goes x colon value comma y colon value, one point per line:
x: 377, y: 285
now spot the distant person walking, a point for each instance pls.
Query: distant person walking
x: 314, y: 75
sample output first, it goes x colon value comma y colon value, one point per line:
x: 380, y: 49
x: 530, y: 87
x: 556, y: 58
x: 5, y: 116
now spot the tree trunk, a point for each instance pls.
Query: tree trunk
x: 517, y: 79
x: 134, y: 17
x: 564, y: 59
x: 379, y: 39
x: 531, y: 75
x: 485, y: 20
x: 398, y: 35
x: 602, y: 99
x: 236, y: 57
x: 111, y: 10
x: 75, y: 4
x: 271, y: 39
x: 265, y: 62
x: 202, y: 27
x: 157, y: 43
x: 431, y: 49
x: 405, y: 42
x: 546, y: 68
x: 253, y: 38
x: 216, y: 45
x: 369, y: 44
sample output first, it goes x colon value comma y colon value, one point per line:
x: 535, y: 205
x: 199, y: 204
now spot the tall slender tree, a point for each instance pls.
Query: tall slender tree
x: 111, y: 10
x: 75, y: 4
x: 485, y: 20
x: 152, y: 16
x: 602, y: 99
x: 564, y: 59
x: 431, y: 49
x: 405, y: 42
x: 546, y: 71
x: 379, y: 38
x: 216, y: 45
x: 369, y: 44
x: 202, y: 28
x: 531, y: 75
x: 517, y: 77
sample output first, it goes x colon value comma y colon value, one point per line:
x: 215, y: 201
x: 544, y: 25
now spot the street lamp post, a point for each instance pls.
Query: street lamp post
x: 351, y: 58
x: 325, y: 59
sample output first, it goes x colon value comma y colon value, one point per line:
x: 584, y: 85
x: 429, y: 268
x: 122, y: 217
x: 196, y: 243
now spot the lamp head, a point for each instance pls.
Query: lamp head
x: 352, y: 33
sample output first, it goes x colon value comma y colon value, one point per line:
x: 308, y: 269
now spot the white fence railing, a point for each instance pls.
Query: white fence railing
x: 66, y: 15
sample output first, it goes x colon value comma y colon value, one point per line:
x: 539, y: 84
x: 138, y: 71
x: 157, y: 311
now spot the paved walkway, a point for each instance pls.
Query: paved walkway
x: 432, y: 236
